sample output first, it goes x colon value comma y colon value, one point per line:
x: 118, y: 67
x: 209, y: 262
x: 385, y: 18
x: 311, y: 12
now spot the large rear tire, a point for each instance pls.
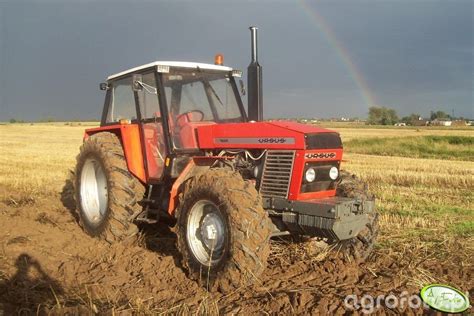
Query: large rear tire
x: 359, y: 247
x: 106, y: 194
x: 222, y: 230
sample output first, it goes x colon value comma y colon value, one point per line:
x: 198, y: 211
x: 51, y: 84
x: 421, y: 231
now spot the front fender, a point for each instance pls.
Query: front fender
x: 196, y: 166
x: 129, y: 135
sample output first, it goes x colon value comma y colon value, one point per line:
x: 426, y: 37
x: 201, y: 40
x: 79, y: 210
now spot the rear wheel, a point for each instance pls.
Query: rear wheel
x: 106, y: 193
x: 223, y: 232
x: 359, y: 247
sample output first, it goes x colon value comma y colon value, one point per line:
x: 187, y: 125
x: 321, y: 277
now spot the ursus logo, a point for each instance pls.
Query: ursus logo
x: 320, y: 155
x: 272, y: 140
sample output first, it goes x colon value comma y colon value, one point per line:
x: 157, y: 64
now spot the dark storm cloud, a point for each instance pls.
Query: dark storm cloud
x: 415, y: 55
x: 419, y: 57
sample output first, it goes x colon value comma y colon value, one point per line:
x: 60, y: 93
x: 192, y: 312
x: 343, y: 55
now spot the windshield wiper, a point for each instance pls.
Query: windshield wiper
x: 148, y: 88
x: 215, y: 94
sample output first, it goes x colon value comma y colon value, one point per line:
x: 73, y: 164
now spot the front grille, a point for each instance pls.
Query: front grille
x: 323, y: 141
x: 322, y: 182
x: 276, y: 174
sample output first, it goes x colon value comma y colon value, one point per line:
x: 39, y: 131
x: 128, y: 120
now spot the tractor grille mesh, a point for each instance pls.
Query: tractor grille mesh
x: 277, y: 173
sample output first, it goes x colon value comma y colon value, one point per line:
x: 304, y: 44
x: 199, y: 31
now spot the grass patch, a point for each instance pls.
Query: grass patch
x: 452, y: 140
x: 431, y: 210
x: 465, y: 229
x: 429, y: 146
x: 363, y: 125
x: 438, y: 210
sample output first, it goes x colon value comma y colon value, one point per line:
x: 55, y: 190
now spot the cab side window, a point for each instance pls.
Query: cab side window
x: 122, y: 101
x: 154, y: 140
x: 148, y: 97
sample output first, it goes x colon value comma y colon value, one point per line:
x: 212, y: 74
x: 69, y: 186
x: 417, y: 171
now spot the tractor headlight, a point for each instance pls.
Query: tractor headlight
x: 333, y: 173
x: 310, y: 175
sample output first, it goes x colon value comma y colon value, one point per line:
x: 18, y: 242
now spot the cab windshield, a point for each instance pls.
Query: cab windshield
x: 201, y: 95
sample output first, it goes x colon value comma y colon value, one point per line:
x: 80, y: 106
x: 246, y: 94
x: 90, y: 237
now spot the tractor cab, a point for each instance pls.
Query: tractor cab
x: 168, y: 101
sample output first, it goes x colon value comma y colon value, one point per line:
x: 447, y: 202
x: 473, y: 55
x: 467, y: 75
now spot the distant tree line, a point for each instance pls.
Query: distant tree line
x: 440, y: 115
x: 380, y: 115
x: 50, y: 120
x: 12, y: 121
x: 45, y: 120
x: 410, y: 118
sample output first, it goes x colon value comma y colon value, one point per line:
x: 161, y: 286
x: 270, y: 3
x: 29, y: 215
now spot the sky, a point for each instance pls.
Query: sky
x: 320, y: 58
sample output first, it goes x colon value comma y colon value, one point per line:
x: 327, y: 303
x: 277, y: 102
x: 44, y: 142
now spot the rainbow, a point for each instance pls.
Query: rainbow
x: 341, y: 51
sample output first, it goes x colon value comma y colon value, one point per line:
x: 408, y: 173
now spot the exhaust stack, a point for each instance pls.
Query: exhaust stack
x: 254, y: 82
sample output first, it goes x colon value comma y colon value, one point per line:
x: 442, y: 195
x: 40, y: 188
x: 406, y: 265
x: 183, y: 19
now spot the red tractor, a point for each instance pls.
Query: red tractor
x: 175, y: 145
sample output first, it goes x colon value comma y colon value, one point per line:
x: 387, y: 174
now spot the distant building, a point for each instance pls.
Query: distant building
x: 420, y: 122
x: 437, y: 122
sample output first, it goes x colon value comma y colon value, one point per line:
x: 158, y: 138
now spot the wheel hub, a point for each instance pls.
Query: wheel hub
x: 212, y: 231
x: 93, y: 190
x: 206, y: 232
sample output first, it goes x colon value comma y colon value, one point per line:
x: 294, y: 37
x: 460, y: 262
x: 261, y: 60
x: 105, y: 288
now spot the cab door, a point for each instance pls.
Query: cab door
x: 152, y: 125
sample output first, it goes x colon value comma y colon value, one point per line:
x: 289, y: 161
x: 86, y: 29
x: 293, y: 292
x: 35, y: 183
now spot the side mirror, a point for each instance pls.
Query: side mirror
x: 242, y: 87
x: 104, y: 86
x: 137, y: 83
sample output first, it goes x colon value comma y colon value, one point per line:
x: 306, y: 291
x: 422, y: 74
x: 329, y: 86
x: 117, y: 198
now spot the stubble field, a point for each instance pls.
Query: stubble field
x: 48, y: 265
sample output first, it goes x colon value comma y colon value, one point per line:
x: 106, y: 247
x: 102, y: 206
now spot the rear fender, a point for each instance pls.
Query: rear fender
x: 195, y: 167
x: 129, y: 135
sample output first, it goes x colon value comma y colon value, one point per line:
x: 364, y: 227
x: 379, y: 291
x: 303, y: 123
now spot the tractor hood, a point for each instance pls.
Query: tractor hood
x: 268, y: 135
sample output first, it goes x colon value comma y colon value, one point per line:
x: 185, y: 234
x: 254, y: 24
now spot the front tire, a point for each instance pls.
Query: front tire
x: 222, y: 230
x: 106, y: 194
x: 360, y: 247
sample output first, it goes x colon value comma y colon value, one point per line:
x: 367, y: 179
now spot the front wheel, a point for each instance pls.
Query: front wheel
x: 223, y: 231
x: 361, y: 246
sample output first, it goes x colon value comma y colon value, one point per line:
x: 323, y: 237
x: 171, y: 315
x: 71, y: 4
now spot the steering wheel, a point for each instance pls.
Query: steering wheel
x: 187, y: 115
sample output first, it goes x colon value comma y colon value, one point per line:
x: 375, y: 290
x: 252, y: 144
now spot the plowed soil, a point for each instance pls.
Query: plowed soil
x: 49, y: 265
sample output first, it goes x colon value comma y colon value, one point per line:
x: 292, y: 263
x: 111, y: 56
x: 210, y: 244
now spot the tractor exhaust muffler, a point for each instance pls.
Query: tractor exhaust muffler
x: 254, y: 82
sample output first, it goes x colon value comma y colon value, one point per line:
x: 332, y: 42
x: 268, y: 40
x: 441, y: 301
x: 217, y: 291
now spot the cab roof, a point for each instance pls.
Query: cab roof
x: 182, y: 64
